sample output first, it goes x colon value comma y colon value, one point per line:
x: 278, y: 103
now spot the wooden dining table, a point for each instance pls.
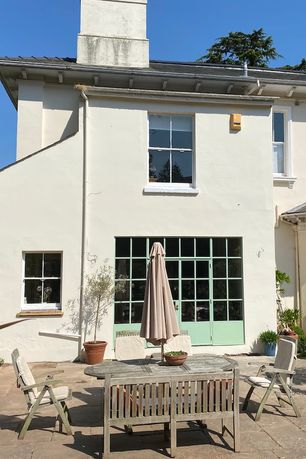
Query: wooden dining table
x: 199, y: 363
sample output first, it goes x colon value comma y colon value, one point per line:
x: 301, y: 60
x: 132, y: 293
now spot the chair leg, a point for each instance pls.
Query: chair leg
x: 58, y: 405
x: 106, y: 436
x: 236, y: 431
x: 290, y: 397
x: 30, y: 415
x: 66, y: 412
x: 247, y: 398
x: 173, y: 438
x: 26, y: 425
x: 264, y: 399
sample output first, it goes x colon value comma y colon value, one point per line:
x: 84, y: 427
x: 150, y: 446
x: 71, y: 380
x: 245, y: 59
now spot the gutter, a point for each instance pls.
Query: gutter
x: 174, y: 95
x: 84, y: 221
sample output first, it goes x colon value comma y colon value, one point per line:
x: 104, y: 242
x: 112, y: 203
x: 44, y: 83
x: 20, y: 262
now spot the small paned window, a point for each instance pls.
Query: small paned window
x: 170, y: 149
x: 279, y: 160
x: 42, y: 281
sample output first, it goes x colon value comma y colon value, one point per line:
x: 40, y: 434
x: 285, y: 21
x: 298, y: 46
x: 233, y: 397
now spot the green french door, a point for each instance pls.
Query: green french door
x: 206, y: 281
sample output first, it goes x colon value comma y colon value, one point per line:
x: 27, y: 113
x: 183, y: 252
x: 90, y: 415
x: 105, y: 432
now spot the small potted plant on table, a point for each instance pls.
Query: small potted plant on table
x: 99, y: 294
x: 175, y: 357
x: 269, y: 338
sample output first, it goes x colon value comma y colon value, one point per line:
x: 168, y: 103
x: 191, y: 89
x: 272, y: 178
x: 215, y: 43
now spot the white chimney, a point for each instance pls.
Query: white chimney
x: 113, y: 33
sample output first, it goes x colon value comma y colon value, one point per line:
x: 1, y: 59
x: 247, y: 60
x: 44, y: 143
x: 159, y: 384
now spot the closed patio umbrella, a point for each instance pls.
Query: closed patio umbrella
x: 159, y: 322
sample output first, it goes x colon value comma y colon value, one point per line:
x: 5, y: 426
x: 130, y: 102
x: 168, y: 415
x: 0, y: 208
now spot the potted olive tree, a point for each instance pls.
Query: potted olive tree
x: 98, y: 296
x: 269, y: 339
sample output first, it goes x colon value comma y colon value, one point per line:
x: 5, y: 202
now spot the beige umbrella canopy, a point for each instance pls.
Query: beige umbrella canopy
x: 159, y: 323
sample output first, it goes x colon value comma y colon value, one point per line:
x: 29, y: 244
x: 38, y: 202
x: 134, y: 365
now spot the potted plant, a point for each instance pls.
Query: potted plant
x: 288, y: 319
x: 269, y: 338
x: 175, y: 357
x: 98, y: 296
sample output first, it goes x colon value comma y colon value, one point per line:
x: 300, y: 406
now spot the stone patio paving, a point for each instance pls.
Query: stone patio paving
x: 279, y: 434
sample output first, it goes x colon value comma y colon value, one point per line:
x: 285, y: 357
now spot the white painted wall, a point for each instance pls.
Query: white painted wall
x: 285, y: 199
x: 46, y: 114
x: 234, y: 178
x: 61, y: 113
x: 233, y: 174
x: 40, y: 202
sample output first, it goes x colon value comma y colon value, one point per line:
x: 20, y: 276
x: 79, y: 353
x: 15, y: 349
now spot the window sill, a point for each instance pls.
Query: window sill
x: 289, y: 181
x: 171, y: 190
x: 46, y: 313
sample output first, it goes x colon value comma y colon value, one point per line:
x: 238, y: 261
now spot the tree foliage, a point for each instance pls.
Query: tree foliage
x: 300, y: 67
x: 255, y: 48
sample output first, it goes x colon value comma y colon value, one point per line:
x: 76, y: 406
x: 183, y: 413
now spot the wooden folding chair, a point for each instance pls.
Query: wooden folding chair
x: 48, y: 395
x: 275, y: 379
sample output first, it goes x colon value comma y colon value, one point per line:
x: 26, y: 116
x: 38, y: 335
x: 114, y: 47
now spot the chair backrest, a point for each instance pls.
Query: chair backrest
x: 24, y: 376
x: 135, y: 398
x: 285, y: 358
x: 130, y: 347
x: 180, y: 342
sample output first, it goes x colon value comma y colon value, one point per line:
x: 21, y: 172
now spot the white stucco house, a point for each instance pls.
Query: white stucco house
x: 115, y: 152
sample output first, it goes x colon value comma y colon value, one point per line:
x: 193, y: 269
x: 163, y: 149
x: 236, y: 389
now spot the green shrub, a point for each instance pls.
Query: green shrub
x: 268, y: 336
x: 1, y: 362
x: 301, y: 341
x: 288, y: 318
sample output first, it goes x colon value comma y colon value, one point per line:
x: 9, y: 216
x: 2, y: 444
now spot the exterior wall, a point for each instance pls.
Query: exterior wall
x: 233, y: 173
x: 41, y: 204
x: 285, y: 199
x: 302, y: 247
x: 61, y: 113
x: 113, y: 33
x: 46, y: 114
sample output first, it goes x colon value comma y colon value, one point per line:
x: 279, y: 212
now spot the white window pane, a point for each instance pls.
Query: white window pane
x: 278, y: 127
x: 159, y: 122
x: 182, y: 132
x: 159, y: 131
x: 182, y: 123
x: 278, y: 159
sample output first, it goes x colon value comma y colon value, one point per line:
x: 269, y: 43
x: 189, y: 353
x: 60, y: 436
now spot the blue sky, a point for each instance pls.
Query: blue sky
x: 179, y: 30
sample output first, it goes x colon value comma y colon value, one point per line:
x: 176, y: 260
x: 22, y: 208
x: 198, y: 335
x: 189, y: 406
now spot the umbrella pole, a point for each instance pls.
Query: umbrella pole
x: 162, y: 352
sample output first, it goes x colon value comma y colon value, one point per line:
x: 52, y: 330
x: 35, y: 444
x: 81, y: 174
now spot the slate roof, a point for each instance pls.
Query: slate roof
x: 301, y: 209
x: 172, y: 67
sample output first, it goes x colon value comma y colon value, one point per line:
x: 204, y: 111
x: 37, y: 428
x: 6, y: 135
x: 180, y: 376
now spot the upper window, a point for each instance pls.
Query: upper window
x: 281, y: 137
x: 42, y: 280
x: 279, y: 160
x: 170, y: 149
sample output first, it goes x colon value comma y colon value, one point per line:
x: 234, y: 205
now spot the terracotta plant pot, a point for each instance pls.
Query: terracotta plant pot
x: 178, y: 359
x: 94, y: 351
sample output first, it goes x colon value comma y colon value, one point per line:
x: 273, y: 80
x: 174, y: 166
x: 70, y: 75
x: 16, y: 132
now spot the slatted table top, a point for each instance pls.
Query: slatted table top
x: 200, y: 363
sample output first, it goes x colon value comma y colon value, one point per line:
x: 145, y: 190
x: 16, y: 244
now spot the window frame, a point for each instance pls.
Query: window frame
x: 180, y: 258
x: 40, y: 306
x: 287, y: 175
x: 172, y: 187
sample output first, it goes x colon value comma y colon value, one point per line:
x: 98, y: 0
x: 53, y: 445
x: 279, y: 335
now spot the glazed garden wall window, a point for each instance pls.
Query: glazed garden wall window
x: 170, y: 149
x: 42, y: 281
x: 205, y: 276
